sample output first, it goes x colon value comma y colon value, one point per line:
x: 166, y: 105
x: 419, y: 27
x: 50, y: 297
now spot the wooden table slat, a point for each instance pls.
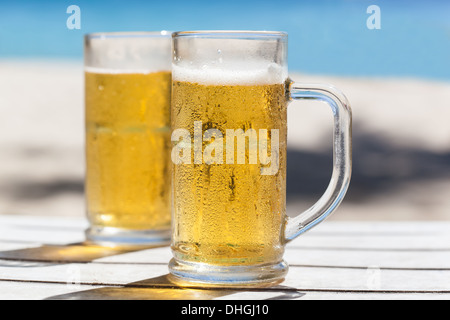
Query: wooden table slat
x: 337, y: 260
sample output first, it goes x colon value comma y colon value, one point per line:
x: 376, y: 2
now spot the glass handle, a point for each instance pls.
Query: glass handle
x: 342, y: 157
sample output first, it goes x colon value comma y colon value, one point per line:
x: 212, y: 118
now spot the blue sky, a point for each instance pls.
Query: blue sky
x: 325, y: 36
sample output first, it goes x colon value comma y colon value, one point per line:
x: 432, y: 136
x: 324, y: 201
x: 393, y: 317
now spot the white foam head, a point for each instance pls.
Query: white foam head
x: 128, y: 52
x: 123, y: 71
x: 255, y: 73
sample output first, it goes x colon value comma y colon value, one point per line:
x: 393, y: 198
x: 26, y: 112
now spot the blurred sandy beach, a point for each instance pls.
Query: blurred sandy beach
x: 401, y: 144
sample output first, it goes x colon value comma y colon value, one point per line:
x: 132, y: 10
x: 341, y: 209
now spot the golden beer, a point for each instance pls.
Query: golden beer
x: 229, y: 213
x: 229, y: 97
x: 128, y: 150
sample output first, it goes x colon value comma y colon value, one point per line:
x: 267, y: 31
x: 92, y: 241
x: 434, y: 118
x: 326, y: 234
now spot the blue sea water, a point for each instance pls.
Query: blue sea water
x: 325, y: 36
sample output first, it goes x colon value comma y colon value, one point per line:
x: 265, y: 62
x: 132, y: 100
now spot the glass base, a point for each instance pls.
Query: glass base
x: 116, y: 237
x: 192, y: 273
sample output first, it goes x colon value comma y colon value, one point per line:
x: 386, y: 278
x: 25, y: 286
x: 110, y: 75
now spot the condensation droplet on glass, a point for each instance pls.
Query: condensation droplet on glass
x: 100, y: 88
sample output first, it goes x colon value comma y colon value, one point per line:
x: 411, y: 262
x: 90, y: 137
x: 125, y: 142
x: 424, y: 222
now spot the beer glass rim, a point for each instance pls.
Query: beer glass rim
x: 231, y: 34
x: 129, y: 34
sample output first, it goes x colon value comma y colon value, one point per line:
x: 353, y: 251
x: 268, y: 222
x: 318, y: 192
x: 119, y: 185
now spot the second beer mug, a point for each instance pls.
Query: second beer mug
x: 229, y: 100
x: 127, y: 86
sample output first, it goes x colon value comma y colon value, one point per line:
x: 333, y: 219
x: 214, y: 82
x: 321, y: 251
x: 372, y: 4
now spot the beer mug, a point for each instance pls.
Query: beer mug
x: 229, y: 109
x: 127, y: 110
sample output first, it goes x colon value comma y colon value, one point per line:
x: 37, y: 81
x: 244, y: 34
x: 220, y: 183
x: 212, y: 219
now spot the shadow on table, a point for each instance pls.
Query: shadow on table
x: 158, y: 288
x: 164, y: 288
x: 46, y: 254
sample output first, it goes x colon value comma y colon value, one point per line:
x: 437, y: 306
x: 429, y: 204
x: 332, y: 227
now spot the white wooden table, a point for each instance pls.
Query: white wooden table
x: 44, y: 258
